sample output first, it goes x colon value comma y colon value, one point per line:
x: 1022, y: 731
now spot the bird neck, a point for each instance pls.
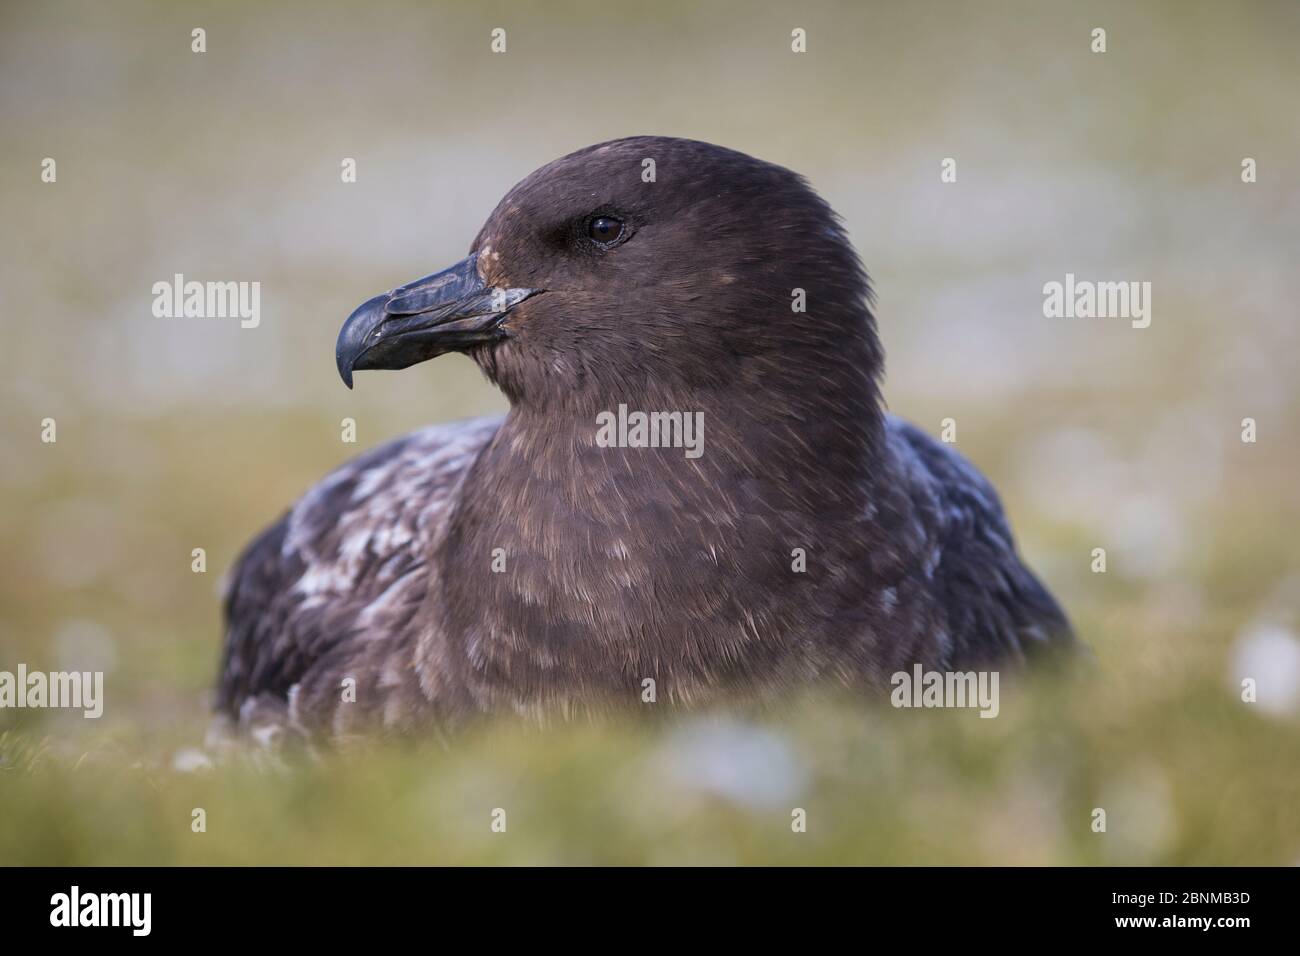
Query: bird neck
x: 618, y: 557
x: 703, y: 453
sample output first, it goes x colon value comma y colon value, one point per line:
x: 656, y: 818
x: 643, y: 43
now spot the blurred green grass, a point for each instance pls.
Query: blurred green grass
x: 879, y: 787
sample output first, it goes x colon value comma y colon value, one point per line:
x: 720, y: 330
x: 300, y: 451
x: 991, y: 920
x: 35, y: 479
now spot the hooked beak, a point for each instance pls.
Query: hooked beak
x: 445, y: 312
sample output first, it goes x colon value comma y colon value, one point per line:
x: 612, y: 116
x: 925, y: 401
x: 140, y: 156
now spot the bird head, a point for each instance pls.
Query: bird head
x: 647, y: 259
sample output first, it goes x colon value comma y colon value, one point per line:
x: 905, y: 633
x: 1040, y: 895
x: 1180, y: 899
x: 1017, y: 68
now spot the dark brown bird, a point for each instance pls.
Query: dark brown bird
x: 522, y: 564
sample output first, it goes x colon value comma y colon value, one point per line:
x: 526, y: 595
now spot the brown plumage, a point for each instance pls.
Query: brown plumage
x: 517, y: 565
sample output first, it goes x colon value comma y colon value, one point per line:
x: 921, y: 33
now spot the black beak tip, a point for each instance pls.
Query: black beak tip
x: 345, y: 369
x: 351, y: 344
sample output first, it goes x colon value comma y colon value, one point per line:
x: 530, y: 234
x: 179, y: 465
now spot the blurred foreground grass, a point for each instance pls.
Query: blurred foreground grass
x: 1199, y: 780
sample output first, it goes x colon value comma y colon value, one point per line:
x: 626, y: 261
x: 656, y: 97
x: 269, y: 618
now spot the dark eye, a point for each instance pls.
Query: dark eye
x: 605, y: 229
